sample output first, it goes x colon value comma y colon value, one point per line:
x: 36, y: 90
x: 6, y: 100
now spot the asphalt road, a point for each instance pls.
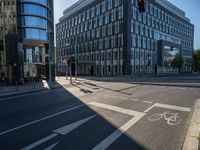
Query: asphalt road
x: 101, y: 115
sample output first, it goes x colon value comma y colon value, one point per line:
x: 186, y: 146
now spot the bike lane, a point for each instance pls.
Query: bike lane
x: 160, y: 129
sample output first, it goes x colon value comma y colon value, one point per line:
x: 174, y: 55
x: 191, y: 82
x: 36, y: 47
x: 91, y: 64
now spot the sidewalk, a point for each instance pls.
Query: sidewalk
x: 192, y: 141
x: 6, y: 91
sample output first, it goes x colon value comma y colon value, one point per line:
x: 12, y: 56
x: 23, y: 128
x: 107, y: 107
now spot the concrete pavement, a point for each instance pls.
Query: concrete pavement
x: 192, y: 140
x: 99, y: 115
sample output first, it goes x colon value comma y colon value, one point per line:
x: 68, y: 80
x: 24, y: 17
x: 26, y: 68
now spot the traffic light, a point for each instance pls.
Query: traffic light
x: 141, y: 6
x: 68, y: 60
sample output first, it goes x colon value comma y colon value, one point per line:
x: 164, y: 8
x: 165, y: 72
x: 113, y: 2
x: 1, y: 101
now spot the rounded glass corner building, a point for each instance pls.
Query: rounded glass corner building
x: 35, y: 28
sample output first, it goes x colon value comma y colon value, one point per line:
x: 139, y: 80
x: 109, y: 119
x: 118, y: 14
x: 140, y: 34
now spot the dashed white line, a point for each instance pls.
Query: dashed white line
x: 136, y: 100
x: 147, y: 102
x: 123, y: 98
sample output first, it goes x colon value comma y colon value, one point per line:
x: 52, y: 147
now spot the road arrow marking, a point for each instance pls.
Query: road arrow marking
x: 51, y: 147
x: 63, y: 131
x: 39, y: 142
x: 68, y: 128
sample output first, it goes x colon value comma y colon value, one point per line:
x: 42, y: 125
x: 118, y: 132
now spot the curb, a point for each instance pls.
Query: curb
x: 191, y: 140
x: 27, y: 92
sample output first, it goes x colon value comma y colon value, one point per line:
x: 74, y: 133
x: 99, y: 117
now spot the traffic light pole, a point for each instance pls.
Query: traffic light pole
x: 66, y: 71
x: 76, y: 64
x: 70, y: 68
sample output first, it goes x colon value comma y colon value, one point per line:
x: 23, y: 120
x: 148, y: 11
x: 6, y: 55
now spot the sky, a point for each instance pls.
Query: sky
x: 191, y: 8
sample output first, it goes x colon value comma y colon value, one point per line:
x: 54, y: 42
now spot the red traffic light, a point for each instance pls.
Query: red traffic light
x: 141, y: 5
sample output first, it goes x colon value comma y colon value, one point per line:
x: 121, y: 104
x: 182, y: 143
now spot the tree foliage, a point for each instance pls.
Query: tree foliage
x: 196, y: 60
x: 177, y: 62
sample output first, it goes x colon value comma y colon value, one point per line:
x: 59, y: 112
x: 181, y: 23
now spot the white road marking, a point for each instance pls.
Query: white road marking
x: 63, y: 131
x: 39, y: 120
x: 115, y: 108
x: 51, y: 147
x: 171, y: 118
x: 68, y: 128
x: 147, y: 102
x: 39, y: 142
x: 136, y: 100
x: 19, y: 96
x: 123, y: 98
x: 187, y: 109
x: 115, y: 135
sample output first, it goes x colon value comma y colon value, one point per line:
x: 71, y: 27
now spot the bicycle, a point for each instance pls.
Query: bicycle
x: 172, y: 118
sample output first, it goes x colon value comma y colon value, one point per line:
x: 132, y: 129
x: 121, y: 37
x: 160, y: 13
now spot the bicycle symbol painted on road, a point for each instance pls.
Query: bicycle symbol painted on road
x: 171, y: 118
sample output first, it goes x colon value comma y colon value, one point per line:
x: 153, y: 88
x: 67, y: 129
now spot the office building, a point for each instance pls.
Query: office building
x: 111, y: 37
x: 26, y: 28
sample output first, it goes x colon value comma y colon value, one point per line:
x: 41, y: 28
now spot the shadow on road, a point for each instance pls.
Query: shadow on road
x: 30, y: 109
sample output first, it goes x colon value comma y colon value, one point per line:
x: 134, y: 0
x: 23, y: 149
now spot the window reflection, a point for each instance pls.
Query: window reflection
x: 30, y: 33
x: 34, y: 10
x: 34, y: 22
x: 44, y: 2
x: 33, y: 55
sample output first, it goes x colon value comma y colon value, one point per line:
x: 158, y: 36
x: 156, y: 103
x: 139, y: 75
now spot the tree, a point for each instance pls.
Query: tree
x: 177, y: 62
x: 196, y: 60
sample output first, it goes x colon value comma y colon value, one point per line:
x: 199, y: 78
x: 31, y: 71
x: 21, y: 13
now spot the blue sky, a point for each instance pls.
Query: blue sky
x: 191, y: 7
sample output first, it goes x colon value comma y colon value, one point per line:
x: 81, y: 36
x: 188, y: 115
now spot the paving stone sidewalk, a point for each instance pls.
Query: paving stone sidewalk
x: 28, y: 88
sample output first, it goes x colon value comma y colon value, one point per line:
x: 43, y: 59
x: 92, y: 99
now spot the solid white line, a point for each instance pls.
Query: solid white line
x: 187, y: 109
x: 39, y: 142
x: 115, y: 108
x: 148, y: 109
x: 115, y: 135
x: 51, y: 147
x: 68, y: 128
x: 44, y: 118
x: 19, y: 96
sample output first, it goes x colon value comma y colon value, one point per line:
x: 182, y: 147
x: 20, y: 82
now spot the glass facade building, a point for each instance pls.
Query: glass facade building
x: 110, y: 37
x: 36, y: 32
